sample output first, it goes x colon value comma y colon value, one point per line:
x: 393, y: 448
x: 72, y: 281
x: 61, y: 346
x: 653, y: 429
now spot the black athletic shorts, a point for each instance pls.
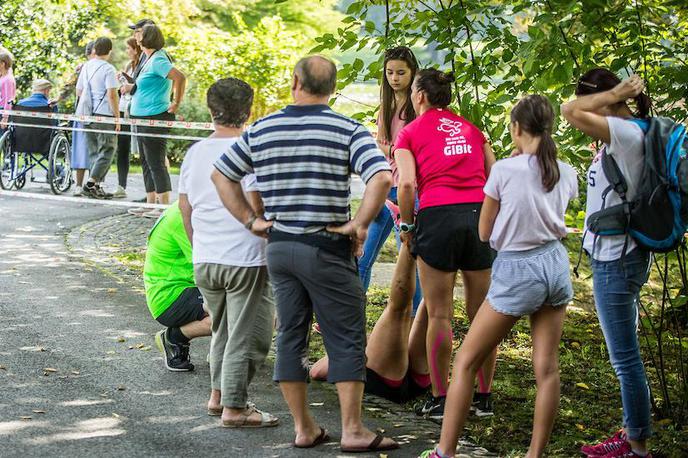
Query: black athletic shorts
x: 186, y: 309
x: 405, y: 392
x: 447, y: 238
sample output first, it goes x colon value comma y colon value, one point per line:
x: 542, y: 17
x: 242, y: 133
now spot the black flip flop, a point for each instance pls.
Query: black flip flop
x: 321, y: 439
x: 374, y: 446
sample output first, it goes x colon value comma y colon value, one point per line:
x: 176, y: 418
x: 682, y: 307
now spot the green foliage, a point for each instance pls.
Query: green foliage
x: 501, y: 51
x: 44, y: 37
x: 263, y: 56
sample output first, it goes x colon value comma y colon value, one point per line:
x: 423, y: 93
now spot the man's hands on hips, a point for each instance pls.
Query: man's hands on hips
x: 355, y: 231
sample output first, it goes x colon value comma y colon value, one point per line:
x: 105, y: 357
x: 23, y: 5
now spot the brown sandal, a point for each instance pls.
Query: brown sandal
x: 374, y: 446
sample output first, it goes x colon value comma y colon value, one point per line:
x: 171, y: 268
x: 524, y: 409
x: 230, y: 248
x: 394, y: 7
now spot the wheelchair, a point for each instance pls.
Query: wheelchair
x: 26, y: 149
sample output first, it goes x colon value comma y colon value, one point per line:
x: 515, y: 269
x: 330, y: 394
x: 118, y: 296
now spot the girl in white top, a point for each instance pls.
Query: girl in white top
x: 523, y: 217
x: 619, y: 270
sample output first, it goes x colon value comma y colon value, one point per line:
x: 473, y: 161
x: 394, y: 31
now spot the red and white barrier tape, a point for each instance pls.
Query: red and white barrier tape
x: 135, y: 134
x: 107, y: 119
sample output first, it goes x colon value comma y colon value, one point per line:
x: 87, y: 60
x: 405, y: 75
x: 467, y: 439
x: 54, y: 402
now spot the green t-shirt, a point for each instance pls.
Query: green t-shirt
x: 168, y: 270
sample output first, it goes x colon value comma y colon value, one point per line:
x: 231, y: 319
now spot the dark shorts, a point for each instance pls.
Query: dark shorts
x: 186, y: 309
x: 408, y: 390
x: 447, y: 238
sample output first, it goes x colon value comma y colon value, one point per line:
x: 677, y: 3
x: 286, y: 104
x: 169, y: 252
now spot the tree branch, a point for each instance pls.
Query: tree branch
x: 566, y: 40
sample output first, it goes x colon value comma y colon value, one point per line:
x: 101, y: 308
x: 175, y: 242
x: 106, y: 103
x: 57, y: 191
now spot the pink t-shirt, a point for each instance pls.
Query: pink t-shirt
x: 450, y: 161
x: 8, y: 90
x: 395, y: 128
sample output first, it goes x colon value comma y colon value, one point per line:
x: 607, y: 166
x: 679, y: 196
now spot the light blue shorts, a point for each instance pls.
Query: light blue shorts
x: 524, y: 281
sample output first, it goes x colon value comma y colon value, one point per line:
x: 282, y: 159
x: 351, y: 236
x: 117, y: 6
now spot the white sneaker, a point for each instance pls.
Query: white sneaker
x: 138, y: 211
x: 155, y: 213
x: 78, y: 191
x: 120, y: 193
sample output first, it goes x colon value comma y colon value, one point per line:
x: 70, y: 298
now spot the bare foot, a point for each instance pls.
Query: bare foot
x: 361, y: 440
x: 308, y: 436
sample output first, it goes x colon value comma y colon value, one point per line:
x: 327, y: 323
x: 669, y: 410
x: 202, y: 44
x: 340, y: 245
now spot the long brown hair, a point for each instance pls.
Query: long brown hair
x: 535, y: 115
x: 133, y: 44
x: 601, y: 80
x: 388, y: 105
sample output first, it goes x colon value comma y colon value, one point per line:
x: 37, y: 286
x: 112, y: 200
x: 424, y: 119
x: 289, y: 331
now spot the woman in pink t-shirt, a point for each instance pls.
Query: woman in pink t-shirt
x: 8, y: 86
x: 449, y: 160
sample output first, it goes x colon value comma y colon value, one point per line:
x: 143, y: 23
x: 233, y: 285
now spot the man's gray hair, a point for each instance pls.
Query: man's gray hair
x: 317, y: 75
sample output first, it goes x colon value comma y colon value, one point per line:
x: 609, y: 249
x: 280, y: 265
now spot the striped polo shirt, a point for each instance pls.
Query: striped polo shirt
x: 303, y: 157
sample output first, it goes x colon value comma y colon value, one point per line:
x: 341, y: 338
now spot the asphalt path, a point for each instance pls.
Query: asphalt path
x: 80, y: 374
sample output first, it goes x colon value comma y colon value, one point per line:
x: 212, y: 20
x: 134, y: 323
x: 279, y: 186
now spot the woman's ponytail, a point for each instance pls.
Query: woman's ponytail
x: 535, y: 115
x: 547, y: 160
x: 643, y: 105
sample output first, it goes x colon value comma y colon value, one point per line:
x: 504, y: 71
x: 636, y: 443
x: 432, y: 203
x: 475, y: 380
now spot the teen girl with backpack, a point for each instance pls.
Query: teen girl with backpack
x: 619, y: 266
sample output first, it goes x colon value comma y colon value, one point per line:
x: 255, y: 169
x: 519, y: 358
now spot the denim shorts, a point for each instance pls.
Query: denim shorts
x: 523, y: 281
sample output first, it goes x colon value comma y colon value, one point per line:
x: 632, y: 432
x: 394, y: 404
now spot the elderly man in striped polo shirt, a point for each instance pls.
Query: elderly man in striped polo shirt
x: 303, y: 156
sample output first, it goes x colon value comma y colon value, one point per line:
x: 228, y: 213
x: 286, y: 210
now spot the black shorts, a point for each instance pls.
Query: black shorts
x: 186, y: 309
x: 405, y: 392
x: 447, y: 238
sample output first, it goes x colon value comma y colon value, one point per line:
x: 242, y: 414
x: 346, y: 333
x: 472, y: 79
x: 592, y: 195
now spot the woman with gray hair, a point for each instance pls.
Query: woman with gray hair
x: 8, y: 86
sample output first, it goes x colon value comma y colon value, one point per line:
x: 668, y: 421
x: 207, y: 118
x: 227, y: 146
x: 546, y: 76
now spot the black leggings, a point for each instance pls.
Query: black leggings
x: 123, y: 151
x: 153, y: 150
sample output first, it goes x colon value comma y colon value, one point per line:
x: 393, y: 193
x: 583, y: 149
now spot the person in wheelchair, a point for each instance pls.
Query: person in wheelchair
x: 40, y: 96
x: 33, y: 143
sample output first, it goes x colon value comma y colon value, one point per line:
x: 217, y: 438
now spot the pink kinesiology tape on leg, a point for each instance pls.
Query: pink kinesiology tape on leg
x: 441, y: 379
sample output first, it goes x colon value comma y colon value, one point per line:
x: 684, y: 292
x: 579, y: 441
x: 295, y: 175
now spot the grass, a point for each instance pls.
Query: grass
x: 590, y: 401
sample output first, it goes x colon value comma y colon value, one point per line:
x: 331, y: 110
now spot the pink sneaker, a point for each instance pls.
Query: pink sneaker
x: 608, y: 446
x: 624, y: 451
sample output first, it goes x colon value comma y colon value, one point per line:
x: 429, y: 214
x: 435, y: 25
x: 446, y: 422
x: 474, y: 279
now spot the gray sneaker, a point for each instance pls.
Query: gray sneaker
x: 120, y: 193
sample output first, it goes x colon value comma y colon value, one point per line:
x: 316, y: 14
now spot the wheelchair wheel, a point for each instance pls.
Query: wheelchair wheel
x: 59, y: 166
x: 9, y: 162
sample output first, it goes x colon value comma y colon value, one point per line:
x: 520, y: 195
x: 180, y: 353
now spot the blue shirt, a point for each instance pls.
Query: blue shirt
x: 36, y: 100
x: 303, y: 157
x: 153, y: 89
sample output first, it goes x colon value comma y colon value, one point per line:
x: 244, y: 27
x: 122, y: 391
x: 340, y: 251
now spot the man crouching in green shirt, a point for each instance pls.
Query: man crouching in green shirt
x: 171, y: 294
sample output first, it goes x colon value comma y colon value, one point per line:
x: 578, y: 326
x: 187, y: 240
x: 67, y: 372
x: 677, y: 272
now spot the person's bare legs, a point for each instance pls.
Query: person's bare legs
x: 305, y: 427
x: 476, y: 283
x: 546, y: 328
x: 354, y: 434
x: 163, y: 197
x: 438, y: 288
x: 418, y: 354
x: 486, y: 332
x: 150, y: 197
x: 195, y: 329
x: 80, y: 174
x: 387, y: 346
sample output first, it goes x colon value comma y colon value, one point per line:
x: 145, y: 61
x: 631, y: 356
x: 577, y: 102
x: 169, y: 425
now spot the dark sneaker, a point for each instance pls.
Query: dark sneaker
x: 176, y: 355
x: 482, y: 405
x: 102, y: 193
x: 423, y: 407
x: 91, y: 190
x: 436, y: 411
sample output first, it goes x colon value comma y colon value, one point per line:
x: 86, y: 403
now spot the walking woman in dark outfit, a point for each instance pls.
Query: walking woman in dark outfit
x: 156, y: 81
